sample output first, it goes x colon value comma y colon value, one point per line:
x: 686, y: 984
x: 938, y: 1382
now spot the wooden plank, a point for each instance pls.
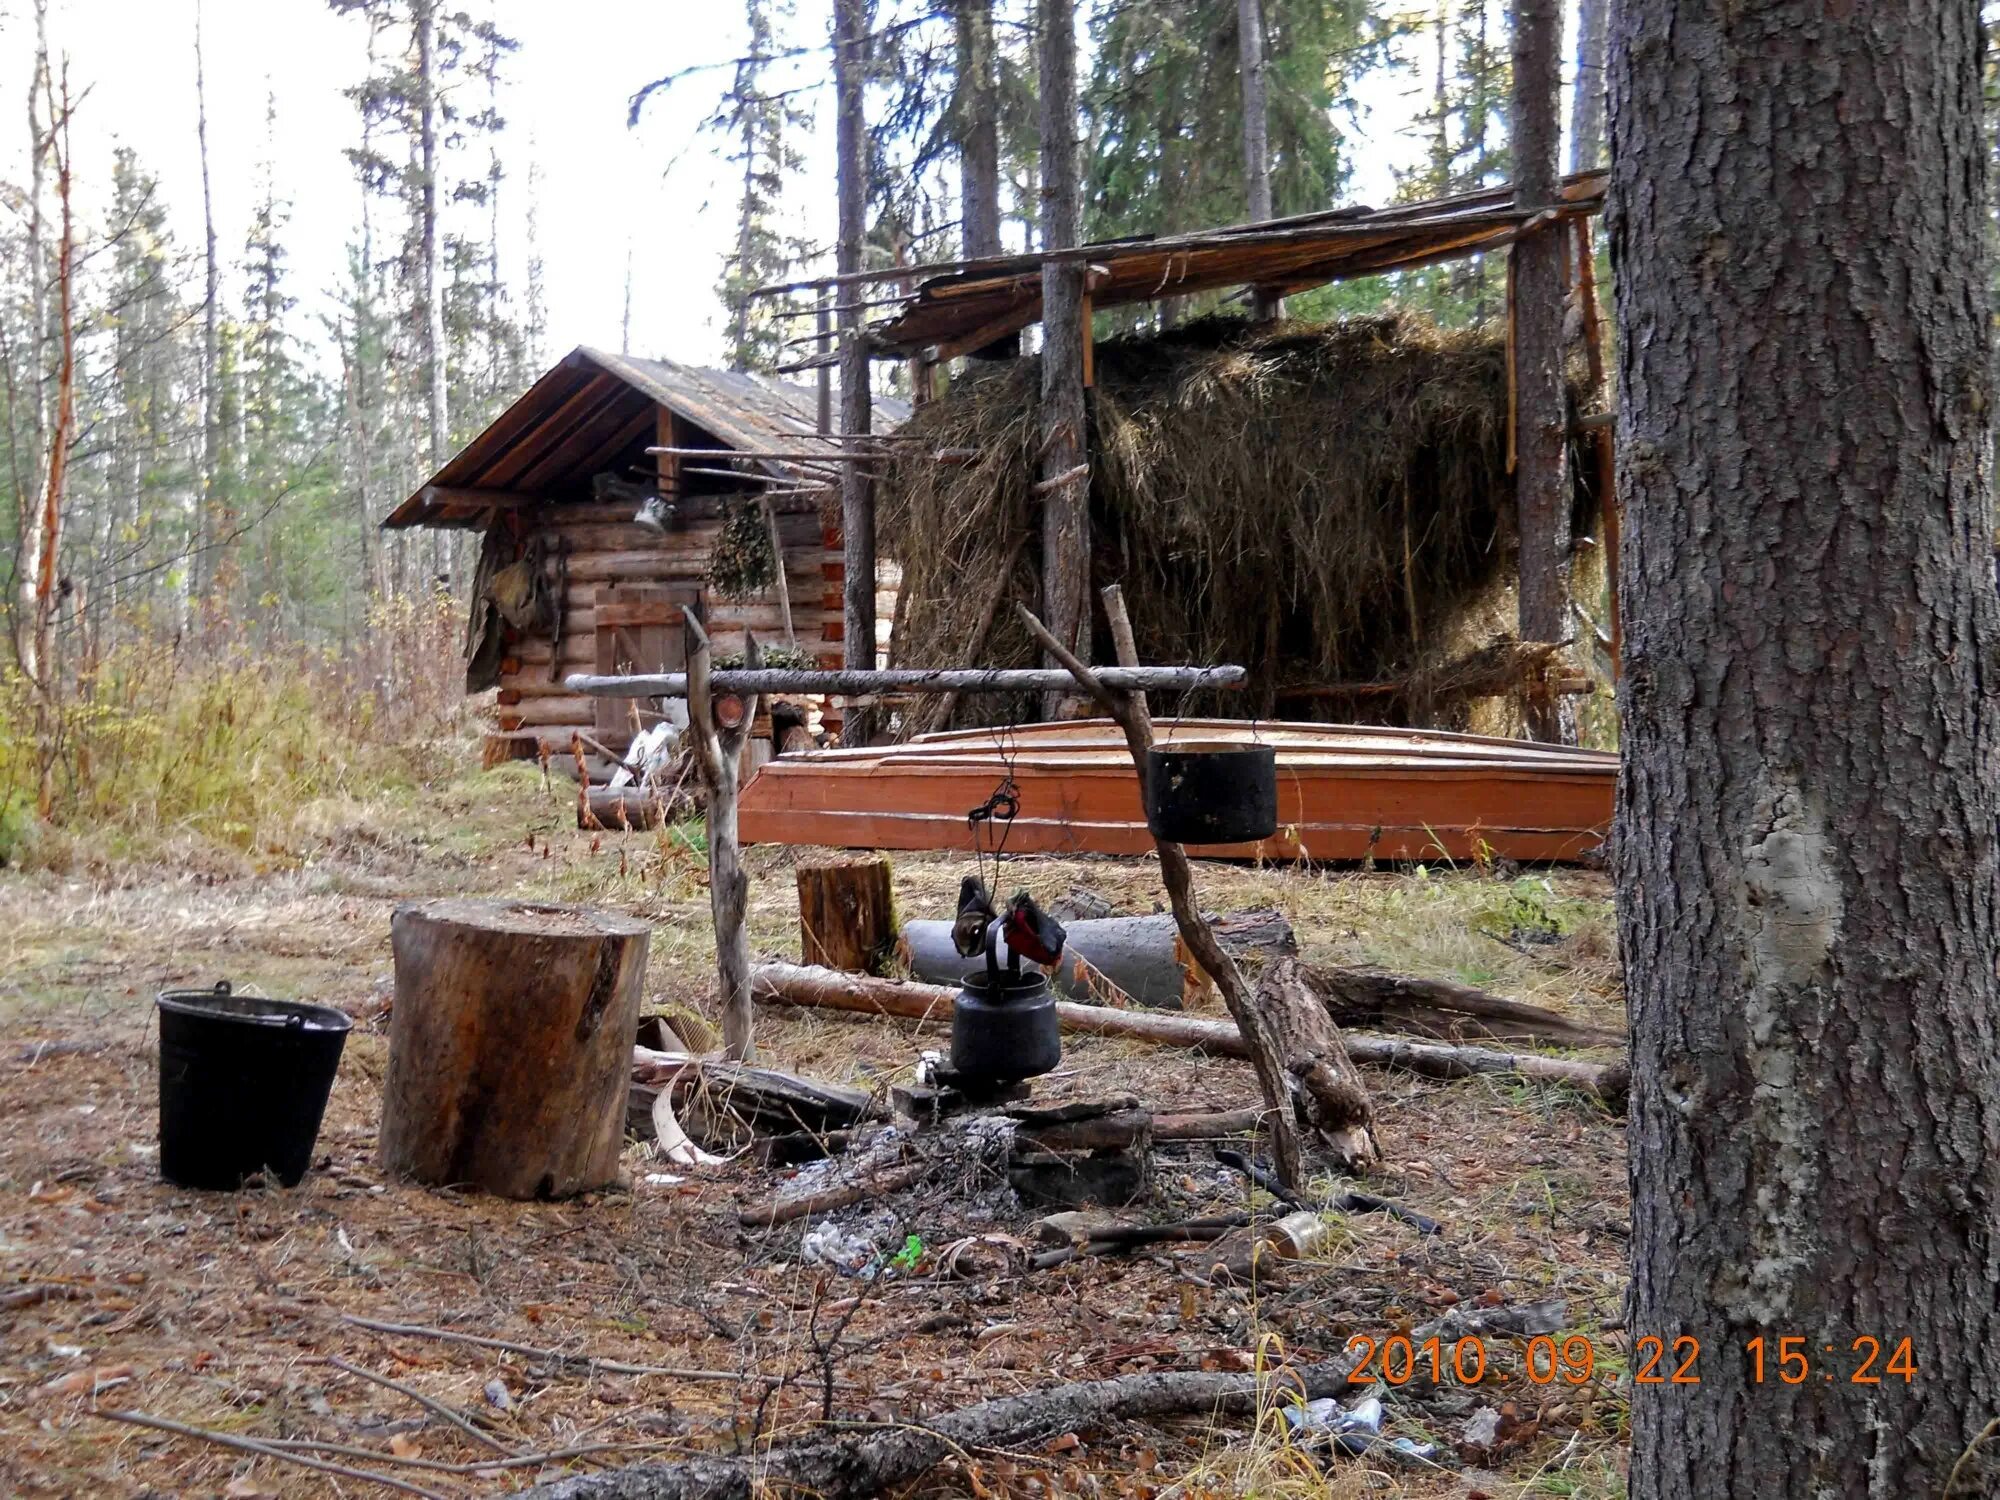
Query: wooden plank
x: 477, y: 499
x: 1343, y: 795
x: 533, y: 444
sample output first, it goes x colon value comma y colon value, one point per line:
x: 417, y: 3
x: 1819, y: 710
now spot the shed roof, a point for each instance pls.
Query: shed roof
x: 976, y: 302
x: 594, y: 408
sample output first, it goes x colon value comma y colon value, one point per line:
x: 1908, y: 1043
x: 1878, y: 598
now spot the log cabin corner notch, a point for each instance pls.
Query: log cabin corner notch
x: 557, y: 481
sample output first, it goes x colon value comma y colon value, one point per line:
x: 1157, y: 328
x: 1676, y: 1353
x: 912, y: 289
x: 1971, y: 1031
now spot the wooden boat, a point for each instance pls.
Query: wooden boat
x: 1345, y: 792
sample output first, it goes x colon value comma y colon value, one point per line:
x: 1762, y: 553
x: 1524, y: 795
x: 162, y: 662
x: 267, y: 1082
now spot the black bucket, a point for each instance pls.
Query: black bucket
x: 1212, y: 794
x: 243, y: 1083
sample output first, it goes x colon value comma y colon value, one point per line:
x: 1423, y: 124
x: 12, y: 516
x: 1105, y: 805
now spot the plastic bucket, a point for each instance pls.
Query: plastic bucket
x: 1212, y: 793
x: 243, y: 1084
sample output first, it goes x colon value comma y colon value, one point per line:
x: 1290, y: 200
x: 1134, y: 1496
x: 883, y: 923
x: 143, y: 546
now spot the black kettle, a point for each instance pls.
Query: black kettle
x: 1003, y: 1022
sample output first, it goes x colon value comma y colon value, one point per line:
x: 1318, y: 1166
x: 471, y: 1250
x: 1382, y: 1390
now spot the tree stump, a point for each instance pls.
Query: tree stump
x: 847, y: 917
x: 510, y: 1048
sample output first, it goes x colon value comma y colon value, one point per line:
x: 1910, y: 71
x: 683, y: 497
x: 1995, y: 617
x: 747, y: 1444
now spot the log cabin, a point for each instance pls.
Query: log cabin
x: 592, y: 544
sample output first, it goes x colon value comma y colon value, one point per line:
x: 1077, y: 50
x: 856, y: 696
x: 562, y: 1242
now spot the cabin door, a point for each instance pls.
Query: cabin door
x: 638, y: 630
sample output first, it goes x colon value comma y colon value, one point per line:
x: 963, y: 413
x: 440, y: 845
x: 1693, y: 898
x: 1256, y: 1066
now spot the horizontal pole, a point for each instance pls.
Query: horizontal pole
x: 905, y: 679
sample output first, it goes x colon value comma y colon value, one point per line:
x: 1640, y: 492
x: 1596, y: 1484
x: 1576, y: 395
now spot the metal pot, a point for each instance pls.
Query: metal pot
x: 1003, y: 1022
x: 1212, y: 794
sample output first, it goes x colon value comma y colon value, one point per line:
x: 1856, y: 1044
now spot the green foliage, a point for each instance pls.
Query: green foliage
x: 1165, y: 110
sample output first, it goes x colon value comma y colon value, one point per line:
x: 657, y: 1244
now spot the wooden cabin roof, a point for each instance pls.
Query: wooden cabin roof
x: 976, y: 302
x: 594, y: 411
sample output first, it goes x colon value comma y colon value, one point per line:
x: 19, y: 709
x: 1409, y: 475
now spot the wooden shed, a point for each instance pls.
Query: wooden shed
x: 573, y: 577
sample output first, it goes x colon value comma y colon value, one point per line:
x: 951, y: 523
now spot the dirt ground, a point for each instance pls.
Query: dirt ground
x: 234, y: 1313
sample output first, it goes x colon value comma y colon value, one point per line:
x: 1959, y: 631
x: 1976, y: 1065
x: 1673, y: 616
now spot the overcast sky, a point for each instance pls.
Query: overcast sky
x: 656, y: 193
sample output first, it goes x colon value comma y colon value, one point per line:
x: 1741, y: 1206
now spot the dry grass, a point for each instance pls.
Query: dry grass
x: 223, y: 1304
x: 1325, y: 503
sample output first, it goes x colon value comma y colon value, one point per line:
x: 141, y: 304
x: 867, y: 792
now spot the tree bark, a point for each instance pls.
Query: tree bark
x: 1586, y: 110
x: 978, y: 129
x: 510, y: 1046
x: 857, y: 491
x: 1541, y: 476
x: 1256, y: 135
x: 1805, y: 840
x: 847, y: 913
x: 1064, y: 467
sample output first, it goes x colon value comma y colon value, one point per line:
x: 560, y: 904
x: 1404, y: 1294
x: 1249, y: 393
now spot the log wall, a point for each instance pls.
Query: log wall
x: 602, y: 547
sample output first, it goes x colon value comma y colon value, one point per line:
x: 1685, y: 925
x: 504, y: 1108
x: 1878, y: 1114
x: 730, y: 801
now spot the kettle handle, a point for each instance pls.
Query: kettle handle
x: 993, y: 954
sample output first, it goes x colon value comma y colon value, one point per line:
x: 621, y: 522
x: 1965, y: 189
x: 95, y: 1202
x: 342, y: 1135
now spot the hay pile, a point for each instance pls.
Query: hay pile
x: 1324, y: 504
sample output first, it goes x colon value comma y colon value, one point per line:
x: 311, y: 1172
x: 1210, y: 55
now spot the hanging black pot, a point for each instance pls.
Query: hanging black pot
x: 1212, y: 793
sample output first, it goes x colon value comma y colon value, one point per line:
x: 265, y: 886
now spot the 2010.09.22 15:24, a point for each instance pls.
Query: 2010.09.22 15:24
x: 1790, y: 1359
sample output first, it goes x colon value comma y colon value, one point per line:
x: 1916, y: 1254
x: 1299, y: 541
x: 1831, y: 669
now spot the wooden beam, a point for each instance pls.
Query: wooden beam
x: 454, y: 495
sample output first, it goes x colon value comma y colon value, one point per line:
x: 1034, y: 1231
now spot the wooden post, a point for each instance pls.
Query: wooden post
x: 510, y: 1047
x: 847, y: 916
x: 1130, y: 711
x: 718, y: 756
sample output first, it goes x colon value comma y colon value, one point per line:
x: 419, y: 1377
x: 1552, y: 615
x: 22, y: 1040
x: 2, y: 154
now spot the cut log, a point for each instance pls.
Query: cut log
x: 847, y: 916
x: 510, y: 1045
x: 822, y: 989
x: 881, y: 1459
x: 1327, y: 1091
x: 623, y: 809
x: 1446, y: 1010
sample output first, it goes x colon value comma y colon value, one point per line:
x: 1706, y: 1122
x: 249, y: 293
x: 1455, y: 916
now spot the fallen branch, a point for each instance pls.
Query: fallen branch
x: 265, y: 1450
x: 873, y: 1461
x: 608, y: 1366
x: 1445, y: 1010
x: 822, y: 989
x: 429, y: 1404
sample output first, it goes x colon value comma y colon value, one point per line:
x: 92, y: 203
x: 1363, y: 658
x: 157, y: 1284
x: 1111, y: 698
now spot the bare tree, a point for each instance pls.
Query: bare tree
x: 208, y: 523
x: 1541, y: 478
x: 1809, y: 879
x: 424, y: 22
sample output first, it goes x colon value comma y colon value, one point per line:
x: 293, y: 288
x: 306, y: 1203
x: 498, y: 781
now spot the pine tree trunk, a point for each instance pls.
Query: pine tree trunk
x: 1541, y: 476
x: 1586, y: 118
x: 1806, y: 828
x: 1066, y: 501
x: 857, y: 494
x: 979, y: 129
x: 1256, y: 134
